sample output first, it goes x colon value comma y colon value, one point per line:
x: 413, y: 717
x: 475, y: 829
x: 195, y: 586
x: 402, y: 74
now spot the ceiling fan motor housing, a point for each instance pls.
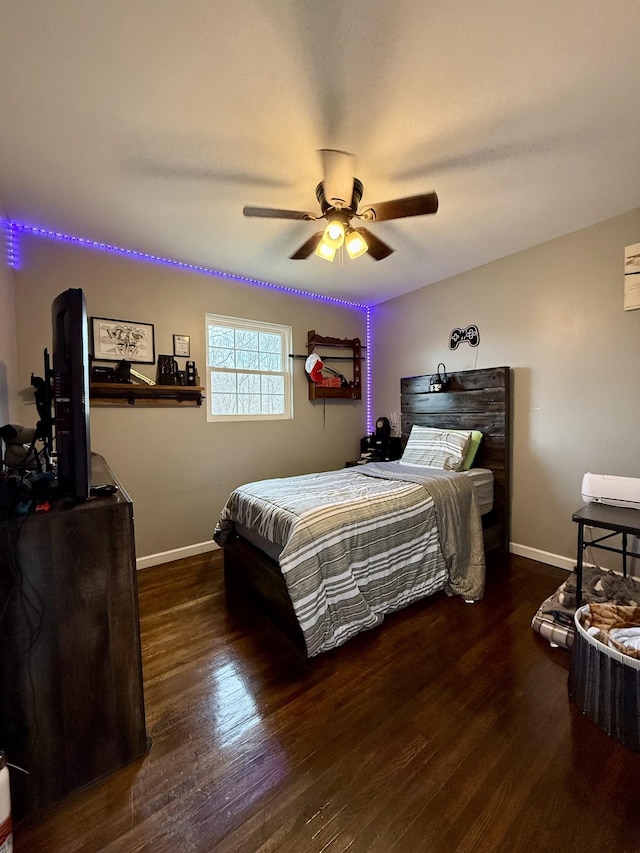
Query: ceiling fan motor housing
x: 355, y: 198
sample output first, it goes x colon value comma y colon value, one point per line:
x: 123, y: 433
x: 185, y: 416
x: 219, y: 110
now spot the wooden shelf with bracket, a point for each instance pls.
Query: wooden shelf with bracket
x: 351, y: 392
x: 159, y: 396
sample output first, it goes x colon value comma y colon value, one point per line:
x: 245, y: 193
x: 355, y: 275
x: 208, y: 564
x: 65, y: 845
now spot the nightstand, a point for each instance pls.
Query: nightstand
x: 621, y: 521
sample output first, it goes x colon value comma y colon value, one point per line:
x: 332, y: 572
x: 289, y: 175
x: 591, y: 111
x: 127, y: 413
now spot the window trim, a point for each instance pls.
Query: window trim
x: 286, y: 334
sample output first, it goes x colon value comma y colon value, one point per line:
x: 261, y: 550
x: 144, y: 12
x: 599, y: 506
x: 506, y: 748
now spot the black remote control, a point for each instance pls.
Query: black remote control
x: 106, y: 489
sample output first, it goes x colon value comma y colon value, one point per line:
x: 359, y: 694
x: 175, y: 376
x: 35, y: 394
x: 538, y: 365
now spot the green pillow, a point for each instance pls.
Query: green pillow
x: 472, y: 449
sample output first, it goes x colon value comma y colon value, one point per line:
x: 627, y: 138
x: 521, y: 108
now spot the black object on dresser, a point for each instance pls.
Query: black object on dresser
x: 71, y: 690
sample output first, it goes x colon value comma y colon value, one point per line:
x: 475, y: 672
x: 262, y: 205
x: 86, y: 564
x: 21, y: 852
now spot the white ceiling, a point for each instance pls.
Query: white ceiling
x: 149, y: 124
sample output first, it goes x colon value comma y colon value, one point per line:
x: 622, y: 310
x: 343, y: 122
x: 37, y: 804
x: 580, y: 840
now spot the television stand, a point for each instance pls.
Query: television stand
x: 71, y: 689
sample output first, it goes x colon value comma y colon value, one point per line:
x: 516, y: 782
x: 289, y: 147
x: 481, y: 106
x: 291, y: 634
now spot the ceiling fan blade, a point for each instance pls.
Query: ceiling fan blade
x: 147, y: 167
x: 414, y: 205
x: 276, y: 213
x: 377, y: 248
x: 338, y: 168
x: 307, y: 248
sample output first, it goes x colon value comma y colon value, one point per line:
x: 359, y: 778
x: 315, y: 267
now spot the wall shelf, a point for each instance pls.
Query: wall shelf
x: 353, y: 390
x: 159, y: 396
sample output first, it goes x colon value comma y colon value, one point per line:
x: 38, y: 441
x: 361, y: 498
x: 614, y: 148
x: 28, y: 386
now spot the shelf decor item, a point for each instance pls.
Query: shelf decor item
x: 114, y: 340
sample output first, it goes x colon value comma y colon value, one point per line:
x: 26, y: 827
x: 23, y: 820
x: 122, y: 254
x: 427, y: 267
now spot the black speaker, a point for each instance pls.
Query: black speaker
x: 383, y: 430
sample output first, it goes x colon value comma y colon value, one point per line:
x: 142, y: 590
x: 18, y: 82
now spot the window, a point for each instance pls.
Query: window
x: 249, y: 370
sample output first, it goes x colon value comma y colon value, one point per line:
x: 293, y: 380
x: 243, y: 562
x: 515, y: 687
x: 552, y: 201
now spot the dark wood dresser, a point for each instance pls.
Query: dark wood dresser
x: 72, y: 701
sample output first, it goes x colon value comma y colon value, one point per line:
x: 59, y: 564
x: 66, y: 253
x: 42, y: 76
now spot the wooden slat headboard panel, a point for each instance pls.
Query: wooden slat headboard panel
x: 474, y: 399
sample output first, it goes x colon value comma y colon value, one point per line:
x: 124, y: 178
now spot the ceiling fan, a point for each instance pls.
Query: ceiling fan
x: 339, y: 194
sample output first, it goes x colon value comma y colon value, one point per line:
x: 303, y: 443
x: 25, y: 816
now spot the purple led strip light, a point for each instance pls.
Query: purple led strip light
x: 11, y: 244
x: 369, y: 342
x: 12, y: 258
x: 131, y: 253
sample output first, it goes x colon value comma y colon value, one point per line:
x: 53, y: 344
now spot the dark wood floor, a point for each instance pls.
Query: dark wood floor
x: 448, y: 728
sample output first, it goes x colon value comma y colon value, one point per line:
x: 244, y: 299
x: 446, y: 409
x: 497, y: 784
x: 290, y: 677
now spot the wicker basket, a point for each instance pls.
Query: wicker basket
x: 605, y: 684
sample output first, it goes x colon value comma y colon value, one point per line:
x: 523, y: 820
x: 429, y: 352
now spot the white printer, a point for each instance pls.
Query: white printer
x: 609, y: 489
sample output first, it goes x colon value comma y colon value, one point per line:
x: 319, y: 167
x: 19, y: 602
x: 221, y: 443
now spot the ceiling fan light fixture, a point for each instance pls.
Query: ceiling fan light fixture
x: 355, y: 244
x: 324, y: 251
x: 334, y: 234
x: 339, y: 194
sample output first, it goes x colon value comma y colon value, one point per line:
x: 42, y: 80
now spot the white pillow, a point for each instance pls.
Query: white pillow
x: 436, y: 448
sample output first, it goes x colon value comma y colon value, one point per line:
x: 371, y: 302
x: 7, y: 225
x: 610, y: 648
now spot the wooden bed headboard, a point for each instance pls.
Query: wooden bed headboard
x: 474, y: 399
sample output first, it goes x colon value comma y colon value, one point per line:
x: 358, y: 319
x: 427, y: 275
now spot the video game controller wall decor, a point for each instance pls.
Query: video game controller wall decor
x: 471, y: 335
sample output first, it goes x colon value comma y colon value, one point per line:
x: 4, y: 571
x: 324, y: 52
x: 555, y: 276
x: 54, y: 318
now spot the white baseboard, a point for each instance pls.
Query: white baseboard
x: 567, y: 563
x: 175, y: 554
x: 542, y: 556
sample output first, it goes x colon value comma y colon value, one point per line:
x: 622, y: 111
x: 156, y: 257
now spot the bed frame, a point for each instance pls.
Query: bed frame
x: 473, y: 399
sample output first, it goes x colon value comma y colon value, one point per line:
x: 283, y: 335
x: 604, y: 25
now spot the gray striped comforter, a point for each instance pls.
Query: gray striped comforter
x: 361, y: 542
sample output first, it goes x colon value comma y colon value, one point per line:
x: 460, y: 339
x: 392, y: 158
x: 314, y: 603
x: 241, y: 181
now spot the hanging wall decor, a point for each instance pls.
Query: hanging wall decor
x: 632, y: 277
x: 114, y: 340
x: 471, y: 335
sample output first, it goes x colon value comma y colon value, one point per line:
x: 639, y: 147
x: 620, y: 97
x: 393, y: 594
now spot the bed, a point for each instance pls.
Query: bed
x: 327, y: 555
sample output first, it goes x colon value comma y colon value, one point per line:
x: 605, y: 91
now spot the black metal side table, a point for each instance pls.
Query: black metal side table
x: 621, y: 521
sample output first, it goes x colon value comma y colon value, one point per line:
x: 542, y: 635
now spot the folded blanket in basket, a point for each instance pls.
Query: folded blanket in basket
x: 615, y: 625
x: 626, y: 640
x: 608, y: 615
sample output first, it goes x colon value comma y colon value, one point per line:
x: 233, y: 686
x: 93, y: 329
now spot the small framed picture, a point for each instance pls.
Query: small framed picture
x: 181, y: 345
x: 115, y: 340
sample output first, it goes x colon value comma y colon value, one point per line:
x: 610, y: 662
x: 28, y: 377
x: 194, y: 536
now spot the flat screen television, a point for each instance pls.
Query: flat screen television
x: 70, y: 392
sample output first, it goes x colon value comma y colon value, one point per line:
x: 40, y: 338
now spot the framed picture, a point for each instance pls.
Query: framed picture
x: 114, y: 340
x: 181, y: 345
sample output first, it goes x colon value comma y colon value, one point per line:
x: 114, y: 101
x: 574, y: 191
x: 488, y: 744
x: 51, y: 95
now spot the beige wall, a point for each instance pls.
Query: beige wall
x: 554, y: 314
x: 178, y: 468
x: 8, y: 358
